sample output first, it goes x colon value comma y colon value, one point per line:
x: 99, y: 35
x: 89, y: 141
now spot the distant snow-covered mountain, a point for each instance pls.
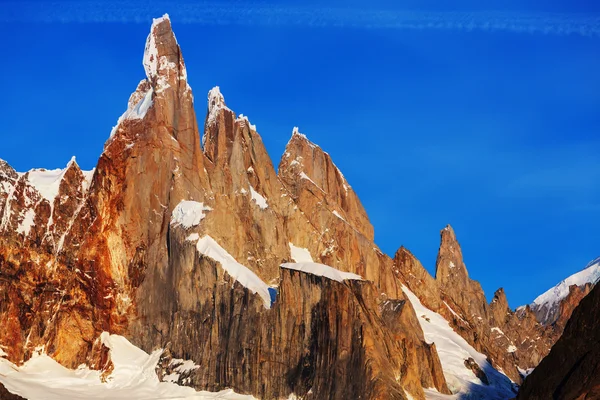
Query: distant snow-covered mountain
x: 547, y: 305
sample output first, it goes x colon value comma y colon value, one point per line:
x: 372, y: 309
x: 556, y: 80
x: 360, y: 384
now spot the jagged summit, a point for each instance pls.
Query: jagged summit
x: 158, y: 53
x: 216, y: 103
x: 296, y: 133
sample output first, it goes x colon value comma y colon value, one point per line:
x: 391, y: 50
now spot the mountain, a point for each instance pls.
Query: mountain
x: 189, y: 261
x: 572, y: 369
x: 547, y: 306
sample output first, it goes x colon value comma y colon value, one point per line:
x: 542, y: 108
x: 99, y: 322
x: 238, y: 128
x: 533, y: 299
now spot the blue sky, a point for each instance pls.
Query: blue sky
x: 484, y: 117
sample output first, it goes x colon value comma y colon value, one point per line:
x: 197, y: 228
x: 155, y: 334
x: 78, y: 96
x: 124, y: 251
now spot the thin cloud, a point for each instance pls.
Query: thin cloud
x: 245, y: 14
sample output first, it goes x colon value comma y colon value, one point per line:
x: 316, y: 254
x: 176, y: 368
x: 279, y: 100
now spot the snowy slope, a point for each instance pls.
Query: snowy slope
x: 546, y: 305
x: 133, y: 377
x: 209, y: 247
x: 453, y: 350
x: 322, y: 270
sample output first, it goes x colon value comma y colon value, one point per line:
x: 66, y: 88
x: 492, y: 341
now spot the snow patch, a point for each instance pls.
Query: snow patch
x: 300, y: 254
x: 133, y: 377
x: 209, y: 247
x: 180, y: 367
x: 193, y: 237
x: 138, y: 111
x: 338, y: 215
x: 304, y: 176
x: 141, y: 108
x: 525, y: 372
x: 188, y: 213
x: 27, y: 222
x: 498, y: 330
x: 244, y: 120
x: 46, y: 182
x: 258, y: 198
x: 322, y: 270
x: 454, y: 313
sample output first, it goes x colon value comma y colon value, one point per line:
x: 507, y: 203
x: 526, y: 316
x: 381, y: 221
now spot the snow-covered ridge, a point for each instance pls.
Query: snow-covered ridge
x: 453, y: 350
x: 590, y: 274
x: 47, y: 184
x: 322, y: 270
x: 133, y: 377
x: 210, y: 248
x: 188, y: 213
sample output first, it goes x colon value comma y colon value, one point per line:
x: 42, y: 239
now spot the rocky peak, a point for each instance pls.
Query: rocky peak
x: 162, y: 60
x: 453, y: 278
x: 450, y: 268
x: 499, y: 308
x: 500, y: 299
x: 219, y: 131
x: 308, y: 171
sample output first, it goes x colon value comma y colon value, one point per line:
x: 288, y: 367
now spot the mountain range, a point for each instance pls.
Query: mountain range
x: 184, y: 263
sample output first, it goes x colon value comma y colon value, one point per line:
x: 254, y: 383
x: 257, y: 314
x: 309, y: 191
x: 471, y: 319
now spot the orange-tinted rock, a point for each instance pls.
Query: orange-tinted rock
x: 312, y: 177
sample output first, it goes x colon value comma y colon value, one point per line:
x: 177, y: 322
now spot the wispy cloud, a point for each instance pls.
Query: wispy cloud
x: 252, y: 14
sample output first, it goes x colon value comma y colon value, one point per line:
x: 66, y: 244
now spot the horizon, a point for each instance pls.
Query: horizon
x: 531, y: 174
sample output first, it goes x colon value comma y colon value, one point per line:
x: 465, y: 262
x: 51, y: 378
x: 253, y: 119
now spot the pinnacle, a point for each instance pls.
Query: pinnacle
x: 215, y: 98
x: 296, y: 134
x: 216, y: 103
x: 162, y: 57
x: 448, y: 232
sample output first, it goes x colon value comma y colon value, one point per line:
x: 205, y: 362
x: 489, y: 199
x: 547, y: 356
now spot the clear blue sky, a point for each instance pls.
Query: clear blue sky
x: 486, y: 118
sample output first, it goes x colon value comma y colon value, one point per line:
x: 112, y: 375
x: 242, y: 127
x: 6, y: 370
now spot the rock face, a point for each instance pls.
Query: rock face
x: 572, y: 369
x: 181, y: 246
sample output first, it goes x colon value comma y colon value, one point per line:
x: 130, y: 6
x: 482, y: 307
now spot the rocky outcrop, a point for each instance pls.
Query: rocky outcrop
x: 572, y: 369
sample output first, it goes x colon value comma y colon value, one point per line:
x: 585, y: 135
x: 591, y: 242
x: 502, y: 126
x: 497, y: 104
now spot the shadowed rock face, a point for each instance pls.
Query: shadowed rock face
x: 6, y: 395
x: 572, y: 369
